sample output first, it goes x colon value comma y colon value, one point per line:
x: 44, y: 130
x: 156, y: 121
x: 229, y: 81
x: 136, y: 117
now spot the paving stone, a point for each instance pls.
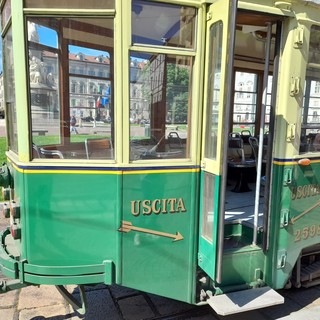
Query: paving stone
x: 135, y: 308
x: 100, y: 306
x: 304, y: 314
x: 119, y: 291
x: 56, y: 312
x: 256, y: 314
x: 165, y: 308
x: 7, y: 314
x: 34, y: 297
x: 8, y: 299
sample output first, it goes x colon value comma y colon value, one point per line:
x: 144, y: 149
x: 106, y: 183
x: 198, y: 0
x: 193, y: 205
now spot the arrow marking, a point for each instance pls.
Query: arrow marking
x: 294, y: 219
x: 127, y: 226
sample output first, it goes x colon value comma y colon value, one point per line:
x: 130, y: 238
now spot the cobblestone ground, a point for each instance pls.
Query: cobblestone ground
x: 119, y: 303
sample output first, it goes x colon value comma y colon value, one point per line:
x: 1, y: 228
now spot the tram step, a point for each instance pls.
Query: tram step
x: 245, y: 300
x: 310, y: 273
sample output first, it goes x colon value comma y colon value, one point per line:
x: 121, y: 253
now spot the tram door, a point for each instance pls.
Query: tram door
x: 220, y: 29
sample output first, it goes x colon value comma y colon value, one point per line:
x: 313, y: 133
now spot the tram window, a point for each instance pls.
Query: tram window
x: 245, y: 101
x: 208, y: 206
x: 247, y: 97
x: 160, y: 102
x: 310, y: 128
x: 71, y: 87
x: 214, y: 84
x: 70, y: 4
x: 163, y: 24
x: 9, y: 93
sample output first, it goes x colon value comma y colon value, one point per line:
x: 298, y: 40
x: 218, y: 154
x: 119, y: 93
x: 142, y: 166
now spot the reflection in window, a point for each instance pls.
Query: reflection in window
x: 160, y: 106
x: 214, y: 91
x: 77, y: 121
x: 310, y: 128
x: 163, y: 24
x: 208, y: 206
x: 9, y: 91
x: 71, y: 4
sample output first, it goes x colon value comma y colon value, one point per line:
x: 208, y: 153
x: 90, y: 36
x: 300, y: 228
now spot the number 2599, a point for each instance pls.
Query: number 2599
x: 306, y: 233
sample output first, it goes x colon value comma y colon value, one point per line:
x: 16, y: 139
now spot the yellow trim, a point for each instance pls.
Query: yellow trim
x: 161, y: 171
x: 294, y: 162
x: 118, y: 171
x: 102, y: 172
x: 69, y: 171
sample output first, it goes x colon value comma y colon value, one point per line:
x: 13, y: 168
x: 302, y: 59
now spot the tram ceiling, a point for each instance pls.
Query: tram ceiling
x: 251, y: 34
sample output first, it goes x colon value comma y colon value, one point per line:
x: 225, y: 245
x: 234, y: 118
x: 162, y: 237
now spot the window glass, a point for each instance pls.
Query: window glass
x: 214, y: 86
x: 246, y: 106
x: 208, y: 206
x: 61, y: 4
x: 163, y: 24
x: 245, y: 102
x: 10, y: 91
x: 71, y: 106
x: 310, y: 128
x: 6, y: 13
x: 160, y: 106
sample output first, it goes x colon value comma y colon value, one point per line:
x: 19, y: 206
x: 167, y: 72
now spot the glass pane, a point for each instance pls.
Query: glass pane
x: 213, y: 101
x: 76, y: 4
x: 246, y: 82
x: 9, y: 91
x: 75, y: 122
x: 6, y: 13
x: 163, y: 24
x: 314, y: 49
x: 160, y: 102
x: 208, y: 208
x: 310, y: 128
x: 44, y: 85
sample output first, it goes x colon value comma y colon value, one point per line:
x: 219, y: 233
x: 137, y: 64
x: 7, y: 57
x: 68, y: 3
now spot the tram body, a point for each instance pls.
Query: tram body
x: 141, y: 191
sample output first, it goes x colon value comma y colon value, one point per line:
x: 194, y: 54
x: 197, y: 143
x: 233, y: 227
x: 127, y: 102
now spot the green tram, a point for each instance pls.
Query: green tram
x: 167, y: 146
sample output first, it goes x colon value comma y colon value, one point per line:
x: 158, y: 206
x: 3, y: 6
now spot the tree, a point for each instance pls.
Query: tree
x: 177, y: 92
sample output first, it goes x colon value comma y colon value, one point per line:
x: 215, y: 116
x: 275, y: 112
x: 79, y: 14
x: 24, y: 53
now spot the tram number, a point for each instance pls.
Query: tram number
x: 306, y: 233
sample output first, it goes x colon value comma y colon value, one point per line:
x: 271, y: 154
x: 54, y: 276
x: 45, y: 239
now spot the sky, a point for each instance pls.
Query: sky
x: 49, y: 37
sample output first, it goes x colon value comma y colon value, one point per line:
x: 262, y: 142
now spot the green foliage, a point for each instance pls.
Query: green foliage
x: 3, y: 149
x: 176, y: 84
x: 55, y: 139
x: 177, y: 92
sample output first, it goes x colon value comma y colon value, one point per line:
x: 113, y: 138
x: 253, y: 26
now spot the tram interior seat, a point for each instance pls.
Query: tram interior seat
x: 99, y: 148
x: 35, y: 151
x: 236, y: 148
x: 45, y: 153
x: 174, y: 140
x: 310, y: 143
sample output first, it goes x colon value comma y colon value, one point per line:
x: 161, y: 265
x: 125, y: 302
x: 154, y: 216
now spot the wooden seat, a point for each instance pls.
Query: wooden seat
x: 99, y: 148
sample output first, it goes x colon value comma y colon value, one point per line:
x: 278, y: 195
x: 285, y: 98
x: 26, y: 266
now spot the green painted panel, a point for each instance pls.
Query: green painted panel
x: 294, y: 218
x: 71, y: 219
x: 241, y: 266
x: 155, y: 262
